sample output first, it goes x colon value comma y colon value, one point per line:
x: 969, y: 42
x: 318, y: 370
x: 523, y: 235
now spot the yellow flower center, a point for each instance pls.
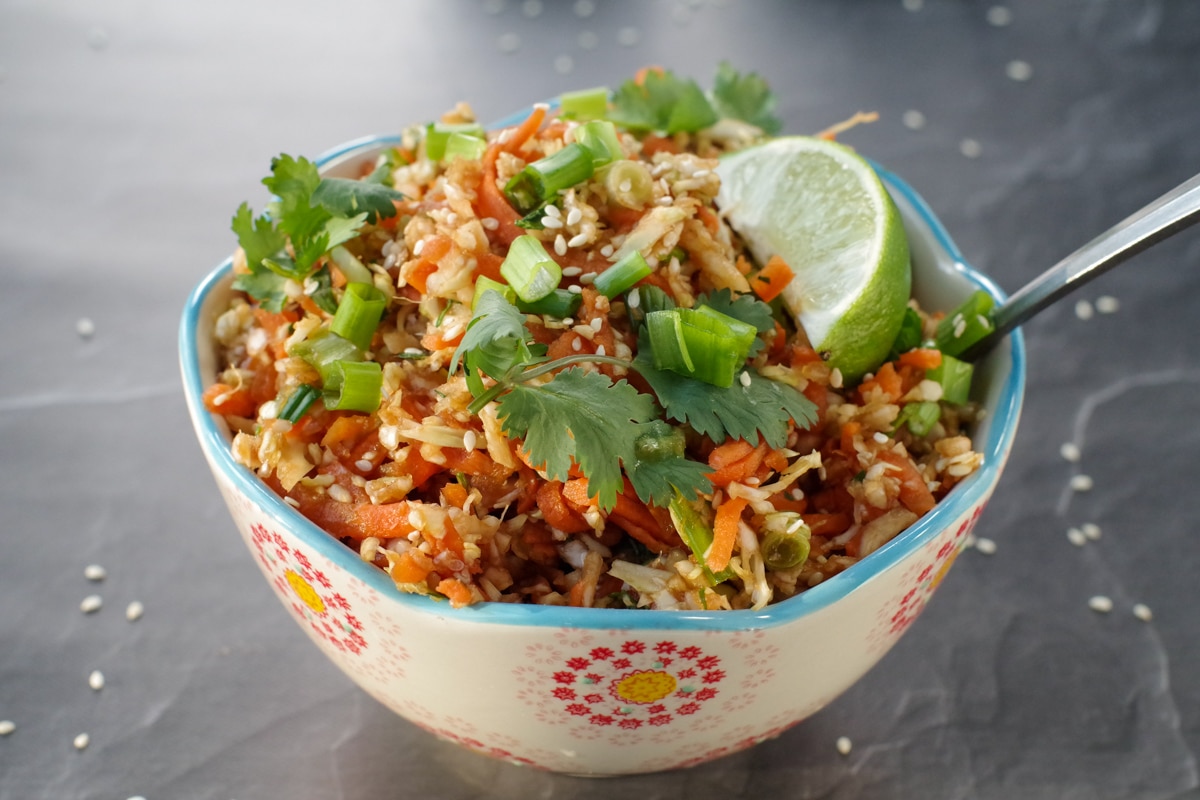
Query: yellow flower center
x: 305, y: 591
x: 646, y: 686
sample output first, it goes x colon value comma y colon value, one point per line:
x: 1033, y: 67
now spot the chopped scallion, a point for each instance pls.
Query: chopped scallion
x: 530, y: 270
x: 352, y: 386
x: 966, y: 325
x: 354, y: 270
x: 544, y: 178
x: 298, y: 403
x: 324, y: 347
x: 600, y: 138
x: 358, y: 314
x: 485, y: 284
x: 559, y: 303
x: 701, y: 343
x: 920, y: 417
x: 437, y: 135
x: 697, y: 535
x: 645, y: 300
x: 785, y: 549
x: 622, y: 275
x: 628, y: 184
x: 909, y: 335
x: 955, y: 377
x: 584, y: 103
x: 462, y: 145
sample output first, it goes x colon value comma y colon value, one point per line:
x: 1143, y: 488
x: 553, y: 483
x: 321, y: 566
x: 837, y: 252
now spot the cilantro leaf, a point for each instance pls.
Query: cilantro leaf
x: 292, y: 181
x: 746, y: 97
x: 662, y: 102
x: 763, y: 408
x: 348, y: 198
x: 494, y: 318
x: 582, y: 417
x: 257, y: 237
x: 657, y: 481
x: 264, y: 286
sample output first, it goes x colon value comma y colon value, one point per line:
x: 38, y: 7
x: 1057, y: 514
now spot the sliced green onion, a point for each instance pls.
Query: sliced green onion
x: 701, y: 343
x: 530, y: 270
x: 462, y: 145
x: 485, y: 284
x: 352, y: 386
x: 324, y: 347
x: 644, y: 300
x: 584, y: 103
x: 966, y: 325
x: 622, y: 275
x: 628, y: 184
x: 909, y: 335
x: 544, y: 178
x: 659, y: 442
x: 920, y: 417
x: 358, y: 314
x: 559, y: 303
x: 787, y: 542
x: 696, y: 534
x: 600, y: 138
x: 437, y: 135
x: 955, y: 377
x: 354, y: 270
x: 297, y: 405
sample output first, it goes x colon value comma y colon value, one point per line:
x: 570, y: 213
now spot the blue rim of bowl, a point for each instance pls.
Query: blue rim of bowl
x: 1001, y: 431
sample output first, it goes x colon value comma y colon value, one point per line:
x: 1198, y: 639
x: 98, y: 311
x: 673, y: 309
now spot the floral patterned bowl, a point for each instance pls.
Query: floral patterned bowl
x: 607, y: 691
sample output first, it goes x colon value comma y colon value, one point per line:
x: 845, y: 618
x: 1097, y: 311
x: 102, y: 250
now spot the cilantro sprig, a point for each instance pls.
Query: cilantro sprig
x: 585, y: 419
x: 309, y: 216
x: 659, y: 100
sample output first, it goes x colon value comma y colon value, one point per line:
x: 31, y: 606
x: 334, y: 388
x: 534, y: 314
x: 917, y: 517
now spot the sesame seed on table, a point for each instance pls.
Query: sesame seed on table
x: 143, y: 656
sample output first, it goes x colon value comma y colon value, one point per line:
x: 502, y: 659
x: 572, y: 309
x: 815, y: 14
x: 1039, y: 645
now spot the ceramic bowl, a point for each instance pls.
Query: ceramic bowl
x: 608, y: 691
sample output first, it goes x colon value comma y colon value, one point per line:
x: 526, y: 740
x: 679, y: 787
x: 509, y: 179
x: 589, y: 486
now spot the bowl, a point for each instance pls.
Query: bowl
x: 608, y: 691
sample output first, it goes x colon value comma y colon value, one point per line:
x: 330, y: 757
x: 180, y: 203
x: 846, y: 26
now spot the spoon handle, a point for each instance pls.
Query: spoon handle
x: 1166, y: 216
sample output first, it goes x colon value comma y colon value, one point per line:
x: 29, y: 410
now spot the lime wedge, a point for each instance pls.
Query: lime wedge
x: 822, y: 209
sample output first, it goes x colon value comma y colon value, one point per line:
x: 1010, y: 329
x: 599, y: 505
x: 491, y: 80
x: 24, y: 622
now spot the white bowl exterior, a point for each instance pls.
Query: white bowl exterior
x: 602, y: 700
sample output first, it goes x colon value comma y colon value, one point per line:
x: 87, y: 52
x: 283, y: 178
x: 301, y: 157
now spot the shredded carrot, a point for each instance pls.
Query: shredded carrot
x: 456, y: 591
x: 887, y: 380
x: 731, y: 452
x: 860, y: 117
x: 526, y: 129
x: 849, y: 431
x: 827, y: 524
x: 556, y: 512
x: 221, y: 398
x: 914, y: 492
x: 740, y: 470
x: 922, y: 358
x: 772, y: 279
x: 653, y: 144
x: 725, y: 532
x: 454, y: 495
x: 412, y: 566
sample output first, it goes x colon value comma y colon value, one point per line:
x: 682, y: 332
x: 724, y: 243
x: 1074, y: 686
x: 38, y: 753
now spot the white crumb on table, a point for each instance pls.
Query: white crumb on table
x: 91, y: 604
x: 1101, y: 604
x: 844, y: 745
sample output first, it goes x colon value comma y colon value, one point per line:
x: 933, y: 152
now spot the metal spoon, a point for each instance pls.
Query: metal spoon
x: 1166, y: 216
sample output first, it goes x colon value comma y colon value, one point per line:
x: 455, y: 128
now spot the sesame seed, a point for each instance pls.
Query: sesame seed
x: 560, y: 245
x: 81, y: 741
x: 1019, y: 70
x: 85, y: 328
x: 701, y: 173
x: 578, y: 240
x: 490, y: 223
x: 844, y: 745
x: 606, y: 251
x: 94, y: 572
x: 960, y: 328
x: 600, y: 351
x: 418, y: 247
x: 1081, y: 483
x: 970, y: 148
x: 96, y: 680
x: 1091, y: 530
x: 339, y: 493
x: 291, y: 501
x: 835, y: 378
x: 576, y: 344
x: 597, y: 324
x: 1101, y: 604
x: 91, y: 604
x: 880, y: 437
x: 553, y: 223
x: 7, y: 726
x: 553, y: 211
x: 363, y: 465
x: 1076, y: 537
x: 985, y: 546
x: 625, y: 186
x: 571, y: 272
x: 1107, y: 304
x: 1143, y: 612
x: 634, y: 298
x: 744, y: 378
x: 470, y: 438
x: 1083, y: 309
x: 587, y: 278
x: 999, y: 16
x: 1070, y: 452
x: 913, y: 120
x: 575, y: 289
x: 136, y: 797
x: 134, y: 611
